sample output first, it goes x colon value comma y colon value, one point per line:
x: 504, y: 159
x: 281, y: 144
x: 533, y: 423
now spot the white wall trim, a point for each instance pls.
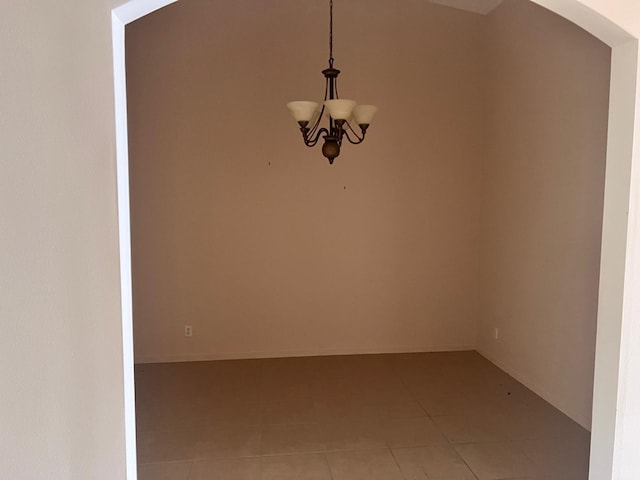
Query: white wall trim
x: 577, y: 12
x: 120, y: 17
x: 626, y: 462
x: 607, y: 416
x: 205, y: 357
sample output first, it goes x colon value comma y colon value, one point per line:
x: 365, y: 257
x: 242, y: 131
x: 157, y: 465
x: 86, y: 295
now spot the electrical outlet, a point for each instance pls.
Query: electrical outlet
x: 188, y: 331
x: 496, y: 333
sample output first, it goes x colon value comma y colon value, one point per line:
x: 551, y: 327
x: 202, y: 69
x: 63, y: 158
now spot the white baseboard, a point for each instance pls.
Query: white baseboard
x: 204, y: 357
x: 537, y: 389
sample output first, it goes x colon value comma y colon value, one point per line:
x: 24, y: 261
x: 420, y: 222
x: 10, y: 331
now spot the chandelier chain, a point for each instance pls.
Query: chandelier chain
x: 331, y: 33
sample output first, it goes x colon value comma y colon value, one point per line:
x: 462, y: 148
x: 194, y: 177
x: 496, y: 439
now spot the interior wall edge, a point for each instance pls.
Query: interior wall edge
x: 205, y: 357
x: 538, y: 390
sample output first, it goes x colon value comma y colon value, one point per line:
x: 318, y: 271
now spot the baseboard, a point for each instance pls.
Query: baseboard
x: 546, y: 395
x: 204, y: 357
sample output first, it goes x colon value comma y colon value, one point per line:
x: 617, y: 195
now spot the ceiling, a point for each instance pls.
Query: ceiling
x: 476, y: 6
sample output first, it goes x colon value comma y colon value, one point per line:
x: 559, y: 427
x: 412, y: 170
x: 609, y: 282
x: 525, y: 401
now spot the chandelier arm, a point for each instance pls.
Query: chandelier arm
x: 313, y: 129
x: 359, y: 139
x: 311, y: 141
x: 354, y: 142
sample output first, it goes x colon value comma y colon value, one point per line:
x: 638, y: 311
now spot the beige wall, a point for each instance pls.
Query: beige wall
x: 543, y: 195
x: 253, y: 239
x: 61, y: 385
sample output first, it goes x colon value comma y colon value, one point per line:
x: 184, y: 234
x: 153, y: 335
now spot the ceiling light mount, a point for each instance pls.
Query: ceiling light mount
x: 341, y: 112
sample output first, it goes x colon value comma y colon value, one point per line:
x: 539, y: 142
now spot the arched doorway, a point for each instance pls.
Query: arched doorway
x: 612, y: 337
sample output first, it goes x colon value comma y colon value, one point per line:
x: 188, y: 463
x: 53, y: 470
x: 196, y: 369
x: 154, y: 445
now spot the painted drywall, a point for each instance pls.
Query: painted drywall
x: 253, y: 239
x: 61, y: 397
x: 548, y: 89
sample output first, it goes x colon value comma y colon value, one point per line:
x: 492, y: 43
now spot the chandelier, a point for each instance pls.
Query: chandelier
x: 341, y: 113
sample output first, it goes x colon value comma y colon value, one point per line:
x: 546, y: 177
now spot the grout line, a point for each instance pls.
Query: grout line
x: 262, y: 365
x: 323, y: 452
x: 190, y: 461
x: 191, y: 465
x: 411, y: 394
x: 289, y: 454
x: 423, y: 409
x: 337, y: 421
x: 464, y: 461
x: 326, y: 461
x: 398, y: 463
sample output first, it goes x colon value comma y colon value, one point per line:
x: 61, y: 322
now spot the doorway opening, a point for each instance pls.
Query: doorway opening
x: 614, y: 227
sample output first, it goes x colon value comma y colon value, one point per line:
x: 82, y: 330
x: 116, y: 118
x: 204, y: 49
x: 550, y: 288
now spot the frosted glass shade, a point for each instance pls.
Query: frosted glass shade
x: 364, y: 114
x: 303, y: 111
x: 340, y: 109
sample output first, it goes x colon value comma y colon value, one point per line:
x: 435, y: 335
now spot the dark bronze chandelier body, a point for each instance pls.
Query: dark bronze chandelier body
x: 340, y: 112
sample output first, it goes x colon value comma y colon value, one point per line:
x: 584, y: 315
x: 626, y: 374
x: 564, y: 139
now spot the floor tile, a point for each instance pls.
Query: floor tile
x: 437, y: 415
x: 364, y: 465
x: 226, y: 469
x: 164, y: 471
x: 459, y: 399
x: 170, y: 414
x: 497, y: 460
x: 396, y: 405
x: 540, y: 423
x: 167, y: 446
x: 435, y: 462
x: 229, y: 441
x: 558, y: 457
x: 295, y: 467
x: 362, y: 435
x: 224, y: 413
x: 295, y: 409
x: 293, y: 438
x: 411, y: 432
x: 334, y: 405
x: 471, y: 429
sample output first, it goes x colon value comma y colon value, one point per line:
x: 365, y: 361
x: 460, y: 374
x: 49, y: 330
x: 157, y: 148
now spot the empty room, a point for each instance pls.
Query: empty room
x: 422, y: 305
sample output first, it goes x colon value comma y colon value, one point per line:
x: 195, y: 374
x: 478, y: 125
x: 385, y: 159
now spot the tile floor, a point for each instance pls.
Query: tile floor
x: 431, y: 416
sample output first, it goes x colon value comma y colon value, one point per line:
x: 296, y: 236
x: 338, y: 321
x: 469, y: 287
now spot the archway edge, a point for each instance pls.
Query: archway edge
x: 616, y: 425
x: 601, y: 18
x: 120, y: 18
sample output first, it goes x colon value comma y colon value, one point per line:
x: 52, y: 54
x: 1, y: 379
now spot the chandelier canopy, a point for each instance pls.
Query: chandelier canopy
x: 342, y: 113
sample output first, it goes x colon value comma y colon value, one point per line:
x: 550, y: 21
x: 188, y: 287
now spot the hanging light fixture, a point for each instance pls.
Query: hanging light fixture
x: 342, y: 113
